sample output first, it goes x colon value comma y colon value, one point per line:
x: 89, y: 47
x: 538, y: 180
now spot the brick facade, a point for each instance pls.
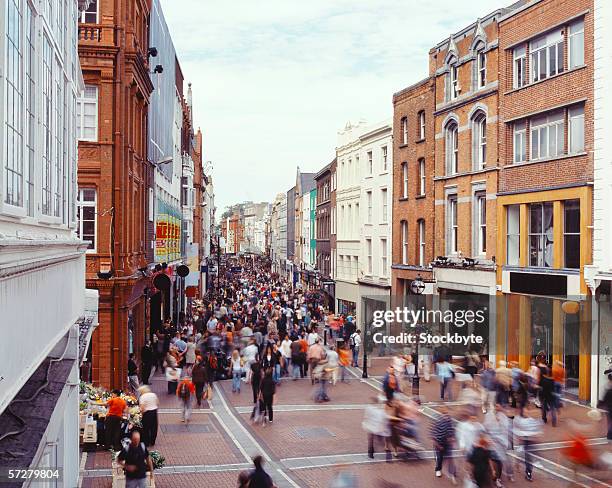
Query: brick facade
x: 115, y: 165
x: 413, y: 205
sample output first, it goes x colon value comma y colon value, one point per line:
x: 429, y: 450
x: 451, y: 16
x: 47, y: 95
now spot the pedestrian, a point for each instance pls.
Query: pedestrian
x: 443, y: 433
x: 133, y: 373
x: 259, y: 478
x: 481, y: 460
x: 606, y: 403
x: 286, y: 352
x: 332, y: 364
x: 355, y: 343
x: 136, y: 461
x: 236, y: 366
x: 296, y: 359
x: 184, y: 391
x: 527, y: 428
x: 376, y: 424
x: 199, y: 376
x: 390, y: 383
x: 547, y: 397
x: 503, y: 379
x: 256, y: 378
x: 173, y: 372
x: 497, y: 425
x: 268, y: 390
x: 190, y: 355
x: 489, y: 388
x: 147, y: 359
x: 445, y: 374
x: 148, y: 403
x: 116, y: 408
x: 344, y: 360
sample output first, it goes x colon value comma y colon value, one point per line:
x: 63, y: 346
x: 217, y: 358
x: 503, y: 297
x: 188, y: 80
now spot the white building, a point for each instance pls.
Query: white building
x: 599, y: 275
x: 349, y: 156
x: 278, y: 239
x: 376, y: 193
x: 42, y: 262
x: 306, y: 230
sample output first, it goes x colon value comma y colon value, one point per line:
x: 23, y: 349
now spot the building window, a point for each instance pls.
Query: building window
x: 404, y: 233
x: 369, y: 255
x: 482, y: 67
x: 481, y: 223
x: 520, y: 67
x: 383, y: 258
x: 421, y: 227
x: 520, y: 142
x: 571, y: 234
x: 452, y: 148
x: 384, y: 158
x: 47, y: 110
x: 404, y: 126
x: 370, y: 163
x: 422, y: 125
x: 13, y: 127
x: 541, y: 235
x: 369, y: 202
x: 87, y: 217
x: 479, y: 141
x: 87, y: 115
x: 422, y: 177
x: 454, y: 81
x: 385, y: 204
x: 404, y: 180
x: 31, y: 124
x: 453, y: 228
x: 546, y: 56
x: 513, y: 235
x: 576, y: 44
x: 90, y: 16
x: 576, y: 129
x: 547, y: 136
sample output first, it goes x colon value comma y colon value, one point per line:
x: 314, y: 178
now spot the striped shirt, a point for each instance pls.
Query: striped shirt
x: 442, y: 429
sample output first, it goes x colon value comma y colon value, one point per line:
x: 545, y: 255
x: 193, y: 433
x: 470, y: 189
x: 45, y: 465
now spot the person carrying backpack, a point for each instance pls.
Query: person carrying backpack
x: 135, y: 460
x: 184, y: 391
x: 390, y: 383
x: 355, y: 343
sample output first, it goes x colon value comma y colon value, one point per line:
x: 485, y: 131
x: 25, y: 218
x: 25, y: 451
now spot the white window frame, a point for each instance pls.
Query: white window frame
x: 513, y: 216
x: 550, y: 127
x: 384, y: 197
x: 452, y: 148
x: 369, y: 204
x: 421, y: 230
x: 481, y: 58
x: 404, y: 234
x: 520, y: 142
x: 575, y: 34
x: 481, y: 223
x: 541, y: 49
x: 453, y: 227
x: 519, y: 75
x: 84, y: 14
x: 454, y: 80
x: 82, y: 102
x: 385, y: 155
x: 370, y: 157
x: 370, y: 263
x: 576, y: 119
x: 422, y: 125
x: 404, y: 180
x: 384, y: 259
x: 404, y: 130
x: 479, y: 141
x: 422, y: 177
x: 80, y: 204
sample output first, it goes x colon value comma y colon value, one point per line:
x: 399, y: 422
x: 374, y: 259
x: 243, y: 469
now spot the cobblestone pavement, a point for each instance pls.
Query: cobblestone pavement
x: 310, y: 444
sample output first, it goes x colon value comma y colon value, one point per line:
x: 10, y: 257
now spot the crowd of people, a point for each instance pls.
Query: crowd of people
x: 256, y: 330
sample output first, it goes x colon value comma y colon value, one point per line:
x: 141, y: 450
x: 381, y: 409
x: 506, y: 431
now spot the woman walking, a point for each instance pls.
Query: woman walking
x: 268, y: 389
x: 148, y: 403
x: 236, y: 371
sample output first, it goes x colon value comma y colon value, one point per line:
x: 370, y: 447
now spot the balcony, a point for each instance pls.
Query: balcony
x: 91, y: 34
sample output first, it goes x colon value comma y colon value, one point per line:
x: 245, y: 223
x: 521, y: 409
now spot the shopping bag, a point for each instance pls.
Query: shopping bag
x: 173, y: 374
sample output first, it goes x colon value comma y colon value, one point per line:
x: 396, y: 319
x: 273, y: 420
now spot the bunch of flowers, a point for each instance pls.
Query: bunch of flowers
x: 158, y: 460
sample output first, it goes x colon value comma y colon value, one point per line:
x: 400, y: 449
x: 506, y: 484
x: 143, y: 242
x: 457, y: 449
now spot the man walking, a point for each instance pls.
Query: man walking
x: 135, y: 461
x: 355, y: 343
x: 148, y: 403
x: 443, y: 433
x: 184, y: 391
x: 133, y: 374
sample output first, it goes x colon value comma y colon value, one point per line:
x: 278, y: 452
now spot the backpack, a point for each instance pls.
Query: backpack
x: 212, y: 360
x: 390, y: 382
x: 184, y: 392
x: 352, y: 339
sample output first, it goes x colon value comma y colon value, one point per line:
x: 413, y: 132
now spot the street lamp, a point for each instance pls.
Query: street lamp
x: 417, y: 287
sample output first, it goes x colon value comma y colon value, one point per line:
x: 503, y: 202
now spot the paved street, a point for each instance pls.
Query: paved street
x: 309, y: 444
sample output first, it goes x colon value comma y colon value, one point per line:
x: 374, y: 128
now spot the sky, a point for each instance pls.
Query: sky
x: 274, y: 80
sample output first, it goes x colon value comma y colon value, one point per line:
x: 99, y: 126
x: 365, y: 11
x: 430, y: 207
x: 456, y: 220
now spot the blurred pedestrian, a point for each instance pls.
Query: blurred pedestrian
x: 184, y: 391
x: 443, y: 434
x: 527, y: 428
x: 148, y: 403
x: 376, y: 424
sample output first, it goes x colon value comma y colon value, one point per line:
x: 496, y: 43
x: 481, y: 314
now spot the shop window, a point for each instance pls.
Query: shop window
x: 541, y: 234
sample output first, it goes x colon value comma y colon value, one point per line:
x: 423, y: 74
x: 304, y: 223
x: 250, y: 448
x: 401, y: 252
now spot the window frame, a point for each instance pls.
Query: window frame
x: 384, y: 197
x: 452, y: 223
x: 422, y: 243
x: 422, y: 125
x: 571, y: 39
x: 541, y: 236
x: 369, y: 257
x: 552, y: 121
x: 82, y: 102
x: 404, y: 241
x: 481, y: 223
x: 405, y: 179
x: 566, y: 233
x: 422, y: 177
x: 452, y: 148
x: 519, y: 67
x: 481, y: 67
x: 384, y: 257
x: 404, y: 129
x: 570, y: 128
x: 522, y: 134
x: 370, y: 156
x: 384, y: 152
x: 81, y: 203
x: 479, y: 141
x: 516, y: 235
x: 453, y: 80
x: 545, y: 45
x: 83, y: 15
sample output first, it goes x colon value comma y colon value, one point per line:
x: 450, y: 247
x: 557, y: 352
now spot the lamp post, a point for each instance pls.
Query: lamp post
x: 417, y: 287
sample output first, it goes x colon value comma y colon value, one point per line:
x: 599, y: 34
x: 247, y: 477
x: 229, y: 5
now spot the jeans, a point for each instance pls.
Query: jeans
x: 186, y: 407
x: 528, y: 462
x: 356, y: 356
x: 287, y: 367
x: 444, y: 387
x: 440, y: 452
x: 549, y: 403
x: 149, y: 427
x: 136, y: 483
x: 236, y: 381
x: 267, y: 404
x: 255, y: 387
x: 276, y: 375
x: 322, y: 393
x: 296, y: 370
x: 199, y: 388
x: 343, y: 373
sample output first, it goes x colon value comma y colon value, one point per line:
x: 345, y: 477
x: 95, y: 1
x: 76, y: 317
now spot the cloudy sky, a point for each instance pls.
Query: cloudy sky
x: 274, y: 80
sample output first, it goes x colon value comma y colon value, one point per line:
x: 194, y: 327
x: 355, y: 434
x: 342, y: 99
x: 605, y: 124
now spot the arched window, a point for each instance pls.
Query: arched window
x: 481, y: 66
x: 479, y: 140
x: 404, y: 234
x: 404, y: 180
x: 452, y: 148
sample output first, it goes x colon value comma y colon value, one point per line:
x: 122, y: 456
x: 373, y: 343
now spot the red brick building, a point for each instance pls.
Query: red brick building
x: 545, y: 198
x: 413, y: 185
x: 114, y: 177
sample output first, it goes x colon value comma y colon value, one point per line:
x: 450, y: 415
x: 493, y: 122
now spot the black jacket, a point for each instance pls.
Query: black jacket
x: 268, y: 387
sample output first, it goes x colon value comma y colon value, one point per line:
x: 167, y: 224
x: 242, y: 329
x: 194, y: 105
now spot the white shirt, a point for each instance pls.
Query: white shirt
x: 332, y: 358
x: 285, y: 348
x: 312, y: 338
x: 356, y: 339
x: 148, y: 402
